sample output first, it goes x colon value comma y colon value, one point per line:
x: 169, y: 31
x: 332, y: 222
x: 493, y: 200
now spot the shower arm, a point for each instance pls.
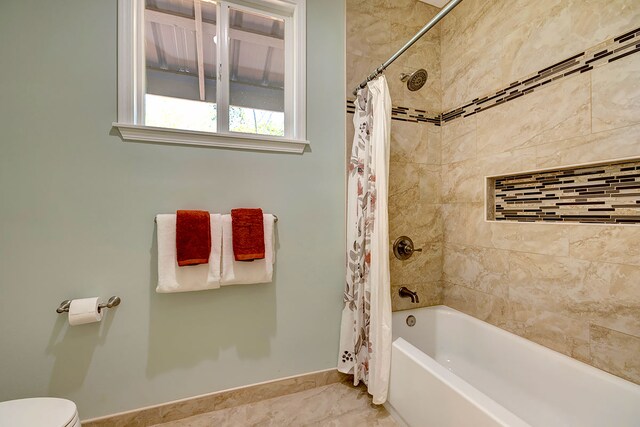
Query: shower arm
x: 446, y: 9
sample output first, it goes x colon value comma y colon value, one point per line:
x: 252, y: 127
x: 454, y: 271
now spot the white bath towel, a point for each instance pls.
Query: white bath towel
x: 243, y: 272
x: 171, y: 277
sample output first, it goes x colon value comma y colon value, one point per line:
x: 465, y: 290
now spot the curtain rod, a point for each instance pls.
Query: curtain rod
x: 446, y: 9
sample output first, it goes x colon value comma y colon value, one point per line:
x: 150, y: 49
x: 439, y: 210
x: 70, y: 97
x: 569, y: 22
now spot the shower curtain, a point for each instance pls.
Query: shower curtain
x: 365, y: 336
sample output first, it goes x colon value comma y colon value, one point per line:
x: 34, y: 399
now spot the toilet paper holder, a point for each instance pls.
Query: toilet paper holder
x: 112, y: 302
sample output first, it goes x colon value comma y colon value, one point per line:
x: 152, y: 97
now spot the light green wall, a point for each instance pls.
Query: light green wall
x: 76, y: 220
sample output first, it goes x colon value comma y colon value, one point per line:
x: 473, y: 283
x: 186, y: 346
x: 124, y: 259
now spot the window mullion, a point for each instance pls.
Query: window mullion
x: 222, y: 89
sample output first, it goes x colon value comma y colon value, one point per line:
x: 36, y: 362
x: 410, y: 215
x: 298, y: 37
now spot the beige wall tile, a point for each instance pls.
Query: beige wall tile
x: 506, y: 162
x: 595, y: 147
x: 413, y: 184
x: 618, y: 304
x: 422, y: 222
x: 371, y: 7
x: 616, y: 352
x: 404, y: 30
x: 597, y: 292
x: 462, y: 182
x: 431, y: 154
x: 617, y: 244
x: 547, y: 31
x: 468, y: 21
x: 614, y: 17
x: 430, y: 183
x: 425, y: 266
x: 480, y: 305
x: 359, y: 67
x: 616, y: 94
x: 573, y: 288
x: 555, y: 30
x: 427, y: 47
x: 464, y: 224
x: 557, y: 332
x: 458, y: 128
x: 520, y: 37
x: 415, y: 143
x: 482, y: 269
x: 469, y: 73
x: 470, y: 51
x: 377, y: 29
x: 462, y: 148
x: 373, y: 30
x: 459, y: 140
x: 543, y: 281
x: 404, y: 183
x: 534, y: 238
x: 554, y: 113
x: 461, y: 298
x: 410, y: 12
x: 368, y: 35
x: 540, y: 40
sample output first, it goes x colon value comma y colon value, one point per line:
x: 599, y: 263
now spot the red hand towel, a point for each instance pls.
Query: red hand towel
x: 193, y: 237
x: 248, y: 234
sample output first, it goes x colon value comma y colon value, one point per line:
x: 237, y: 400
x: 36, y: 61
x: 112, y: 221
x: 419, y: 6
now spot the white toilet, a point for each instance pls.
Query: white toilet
x: 39, y: 412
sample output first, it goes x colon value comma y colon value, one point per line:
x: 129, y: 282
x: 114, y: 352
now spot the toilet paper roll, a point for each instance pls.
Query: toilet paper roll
x: 83, y: 311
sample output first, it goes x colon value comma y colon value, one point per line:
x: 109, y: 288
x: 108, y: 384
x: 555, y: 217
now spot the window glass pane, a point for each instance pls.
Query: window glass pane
x: 256, y: 68
x: 175, y: 7
x: 173, y: 70
x: 252, y: 120
x: 176, y: 113
x: 208, y: 11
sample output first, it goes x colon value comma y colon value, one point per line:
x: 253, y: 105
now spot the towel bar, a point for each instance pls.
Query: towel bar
x: 275, y: 219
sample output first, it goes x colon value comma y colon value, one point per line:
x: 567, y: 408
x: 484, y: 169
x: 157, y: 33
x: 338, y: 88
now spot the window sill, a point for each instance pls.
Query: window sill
x: 140, y: 133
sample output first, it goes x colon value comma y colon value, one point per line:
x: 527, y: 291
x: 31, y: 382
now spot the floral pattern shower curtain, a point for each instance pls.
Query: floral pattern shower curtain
x: 365, y: 339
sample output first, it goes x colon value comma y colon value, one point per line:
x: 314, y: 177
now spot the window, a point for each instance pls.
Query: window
x: 219, y: 73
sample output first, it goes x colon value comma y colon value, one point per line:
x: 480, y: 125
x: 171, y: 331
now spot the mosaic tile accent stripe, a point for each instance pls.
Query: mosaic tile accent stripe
x: 595, y: 194
x: 609, y: 51
x: 619, y: 47
x: 403, y: 114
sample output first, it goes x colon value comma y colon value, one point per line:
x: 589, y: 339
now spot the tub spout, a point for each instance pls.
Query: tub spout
x: 406, y: 293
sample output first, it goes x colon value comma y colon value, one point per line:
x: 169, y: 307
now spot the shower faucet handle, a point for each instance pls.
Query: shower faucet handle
x: 403, y: 248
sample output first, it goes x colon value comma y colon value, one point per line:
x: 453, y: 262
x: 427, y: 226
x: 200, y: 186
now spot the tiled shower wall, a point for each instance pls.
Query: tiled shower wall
x: 375, y: 30
x: 573, y: 288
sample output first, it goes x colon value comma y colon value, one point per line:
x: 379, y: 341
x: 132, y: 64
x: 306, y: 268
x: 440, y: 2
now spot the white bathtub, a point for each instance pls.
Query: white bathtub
x: 452, y: 370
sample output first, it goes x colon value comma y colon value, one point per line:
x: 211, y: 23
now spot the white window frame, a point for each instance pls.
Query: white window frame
x: 132, y: 85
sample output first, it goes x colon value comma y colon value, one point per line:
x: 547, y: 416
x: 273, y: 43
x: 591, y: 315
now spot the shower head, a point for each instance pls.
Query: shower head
x: 415, y: 80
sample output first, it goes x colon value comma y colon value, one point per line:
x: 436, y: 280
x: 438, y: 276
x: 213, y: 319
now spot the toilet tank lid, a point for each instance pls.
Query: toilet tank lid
x: 37, y: 411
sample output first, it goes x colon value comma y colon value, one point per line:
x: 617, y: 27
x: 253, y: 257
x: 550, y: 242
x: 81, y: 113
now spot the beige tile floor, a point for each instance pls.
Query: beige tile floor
x: 333, y: 405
